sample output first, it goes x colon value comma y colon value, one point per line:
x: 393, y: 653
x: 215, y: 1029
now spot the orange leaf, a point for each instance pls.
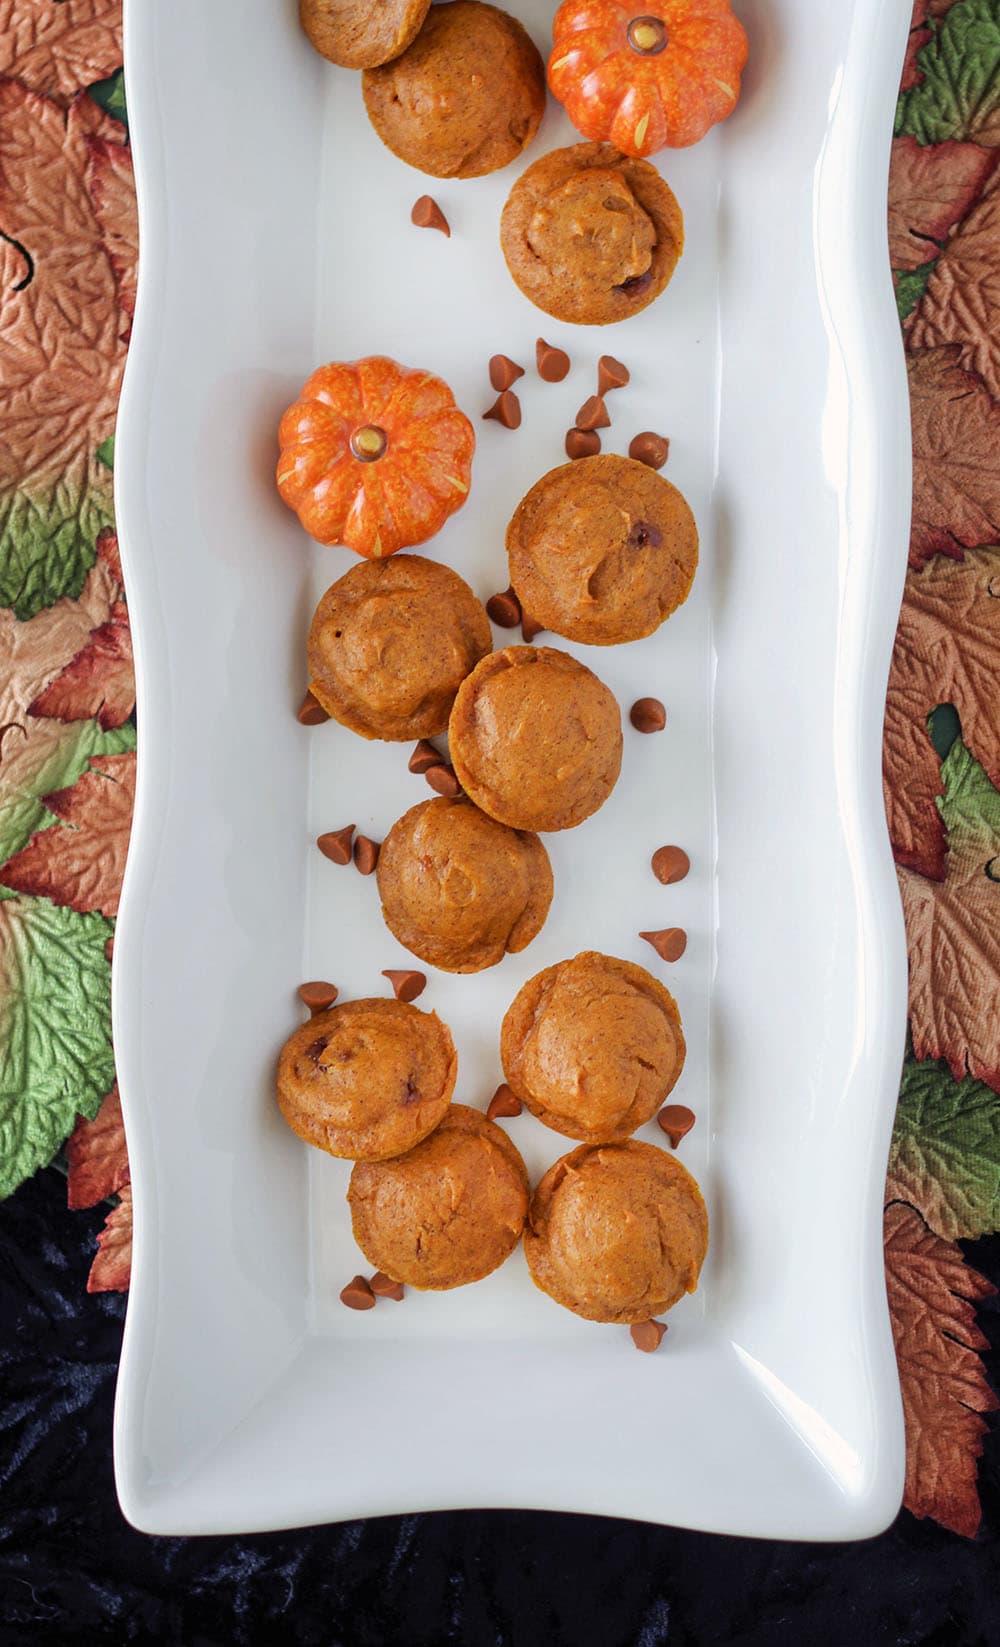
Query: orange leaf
x: 911, y: 771
x: 35, y: 651
x: 80, y: 861
x: 930, y: 189
x: 112, y: 1267
x: 932, y: 1294
x: 60, y: 48
x: 956, y: 476
x: 961, y: 304
x: 99, y: 682
x: 112, y: 190
x: 96, y: 1153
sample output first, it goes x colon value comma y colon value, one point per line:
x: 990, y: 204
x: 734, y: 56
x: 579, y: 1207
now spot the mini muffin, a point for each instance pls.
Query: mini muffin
x: 535, y: 738
x: 602, y: 550
x: 465, y: 98
x: 593, y: 1046
x: 591, y: 236
x: 390, y: 644
x: 460, y: 890
x: 359, y: 35
x: 616, y: 1232
x: 368, y: 1079
x: 447, y: 1213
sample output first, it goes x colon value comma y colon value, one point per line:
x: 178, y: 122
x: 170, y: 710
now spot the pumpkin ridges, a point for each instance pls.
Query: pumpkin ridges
x: 321, y: 515
x: 334, y: 386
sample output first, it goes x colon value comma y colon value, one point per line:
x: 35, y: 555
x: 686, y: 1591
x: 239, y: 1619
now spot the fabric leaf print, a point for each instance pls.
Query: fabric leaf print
x: 99, y: 681
x: 932, y: 1297
x: 956, y: 476
x: 96, y: 1155
x: 59, y: 46
x: 945, y: 1155
x: 930, y: 190
x: 80, y: 860
x: 55, y: 1030
x: 112, y: 1267
x: 962, y: 302
x: 48, y: 755
x: 112, y: 191
x: 958, y: 94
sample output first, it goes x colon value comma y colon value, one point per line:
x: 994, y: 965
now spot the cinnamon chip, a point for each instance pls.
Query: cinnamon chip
x: 406, y: 986
x: 529, y: 628
x: 611, y: 374
x: 670, y: 864
x: 311, y: 712
x: 593, y: 414
x: 551, y: 363
x: 670, y: 942
x: 424, y: 755
x: 648, y: 715
x: 650, y: 449
x: 581, y: 443
x: 676, y: 1120
x: 443, y: 781
x: 505, y: 609
x: 336, y: 844
x: 503, y: 1102
x: 504, y: 372
x: 365, y: 854
x: 506, y: 409
x: 427, y: 214
x: 648, y: 1335
x: 317, y: 996
x: 358, y: 1295
x: 383, y: 1286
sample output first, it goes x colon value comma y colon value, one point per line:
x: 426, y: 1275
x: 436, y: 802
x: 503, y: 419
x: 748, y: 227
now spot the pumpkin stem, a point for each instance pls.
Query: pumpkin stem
x: 369, y: 443
x: 647, y: 35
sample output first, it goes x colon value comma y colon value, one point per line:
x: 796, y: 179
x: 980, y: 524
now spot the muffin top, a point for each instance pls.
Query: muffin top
x: 616, y: 1232
x: 390, y: 644
x: 590, y: 235
x: 601, y: 550
x: 448, y: 1212
x: 368, y: 1079
x: 358, y: 35
x: 458, y: 889
x: 593, y: 1046
x: 535, y: 738
x: 465, y: 98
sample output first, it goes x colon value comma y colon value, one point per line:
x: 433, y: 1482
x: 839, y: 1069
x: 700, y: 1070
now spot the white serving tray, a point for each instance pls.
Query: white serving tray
x: 275, y: 235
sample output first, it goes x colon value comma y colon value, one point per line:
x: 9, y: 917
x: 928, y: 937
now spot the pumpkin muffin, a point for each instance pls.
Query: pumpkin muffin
x: 359, y: 35
x: 593, y: 1046
x: 602, y: 550
x: 616, y: 1232
x: 368, y: 1079
x: 448, y: 1212
x: 390, y: 644
x: 590, y: 235
x: 460, y: 890
x: 465, y: 98
x: 535, y: 738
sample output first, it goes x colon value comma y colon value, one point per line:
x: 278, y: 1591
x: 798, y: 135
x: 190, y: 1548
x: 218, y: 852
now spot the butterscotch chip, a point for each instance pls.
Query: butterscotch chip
x: 358, y: 35
x: 611, y: 374
x: 336, y: 844
x: 593, y: 1046
x: 591, y: 236
x: 389, y: 644
x: 317, y: 996
x: 424, y: 756
x: 442, y: 780
x: 366, y: 853
x: 503, y: 1103
x: 407, y: 984
x: 593, y: 414
x: 358, y: 1295
x: 427, y: 214
x: 465, y: 97
x: 459, y: 890
x: 648, y: 715
x: 670, y: 864
x: 505, y: 609
x: 506, y: 410
x: 535, y: 738
x: 602, y: 550
x: 648, y: 1335
x: 504, y: 372
x: 617, y: 1232
x: 581, y: 443
x: 368, y: 1079
x: 447, y: 1213
x: 383, y: 1286
x: 676, y: 1120
x: 670, y: 942
x: 311, y: 712
x: 551, y: 364
x: 651, y: 449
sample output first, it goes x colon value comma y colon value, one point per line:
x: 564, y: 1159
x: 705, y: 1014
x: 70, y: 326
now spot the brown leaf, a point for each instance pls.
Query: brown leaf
x: 112, y: 190
x: 35, y: 651
x: 961, y: 304
x: 932, y: 1294
x: 911, y: 771
x: 112, y: 1267
x: 930, y: 189
x: 919, y: 36
x: 99, y: 682
x: 96, y: 1154
x: 956, y: 457
x: 80, y: 861
x: 60, y: 48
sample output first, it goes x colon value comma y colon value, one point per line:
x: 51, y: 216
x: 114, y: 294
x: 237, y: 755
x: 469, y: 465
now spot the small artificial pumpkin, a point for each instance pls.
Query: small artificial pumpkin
x: 374, y: 455
x: 646, y: 81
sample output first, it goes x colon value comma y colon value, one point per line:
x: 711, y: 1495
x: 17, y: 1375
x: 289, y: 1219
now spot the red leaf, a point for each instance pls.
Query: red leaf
x: 112, y: 1267
x: 956, y: 477
x: 99, y: 681
x: 932, y: 1292
x: 930, y: 189
x: 112, y: 191
x: 97, y: 1157
x: 58, y: 49
x: 911, y: 771
x: 81, y: 861
x: 962, y: 302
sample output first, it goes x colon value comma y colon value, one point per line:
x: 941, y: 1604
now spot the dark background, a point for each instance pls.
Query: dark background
x: 71, y: 1570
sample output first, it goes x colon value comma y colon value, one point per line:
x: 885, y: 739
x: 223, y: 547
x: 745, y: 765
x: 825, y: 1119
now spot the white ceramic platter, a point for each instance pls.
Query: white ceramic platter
x: 275, y: 235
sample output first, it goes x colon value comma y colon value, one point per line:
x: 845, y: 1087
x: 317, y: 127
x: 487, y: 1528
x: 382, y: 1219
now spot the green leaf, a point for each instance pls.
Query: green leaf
x: 959, y: 95
x: 110, y: 95
x: 63, y: 761
x: 945, y: 1155
x: 970, y: 806
x: 106, y: 451
x: 47, y: 546
x: 55, y: 1029
x: 910, y: 287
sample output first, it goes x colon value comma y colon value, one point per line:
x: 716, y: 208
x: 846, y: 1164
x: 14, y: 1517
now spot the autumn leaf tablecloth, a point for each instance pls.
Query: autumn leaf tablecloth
x: 68, y: 253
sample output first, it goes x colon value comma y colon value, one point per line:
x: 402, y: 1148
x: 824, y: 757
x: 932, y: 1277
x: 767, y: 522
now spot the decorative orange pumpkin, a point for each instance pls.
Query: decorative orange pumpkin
x: 374, y: 455
x: 646, y: 80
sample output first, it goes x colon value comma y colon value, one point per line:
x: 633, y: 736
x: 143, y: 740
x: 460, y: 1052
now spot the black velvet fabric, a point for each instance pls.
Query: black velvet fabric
x: 71, y: 1570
